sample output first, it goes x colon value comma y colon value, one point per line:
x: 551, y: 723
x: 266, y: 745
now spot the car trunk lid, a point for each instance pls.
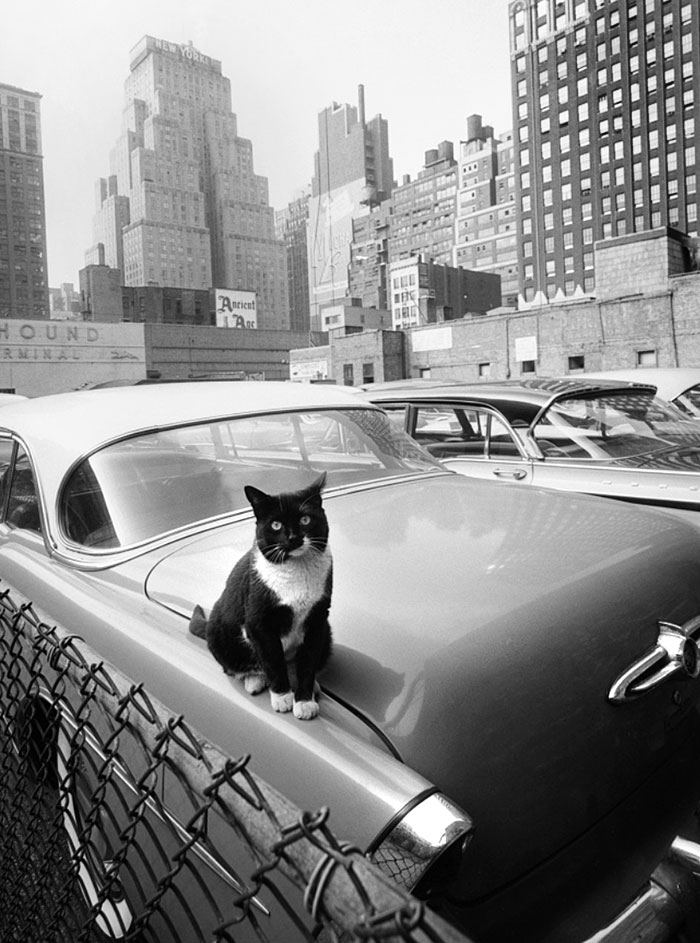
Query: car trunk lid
x: 481, y: 628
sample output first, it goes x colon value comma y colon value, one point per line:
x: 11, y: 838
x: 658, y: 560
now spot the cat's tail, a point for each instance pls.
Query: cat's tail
x: 198, y: 623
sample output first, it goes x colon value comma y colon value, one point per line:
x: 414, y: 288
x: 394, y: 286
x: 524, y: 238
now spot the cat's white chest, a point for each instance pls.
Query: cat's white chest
x: 298, y: 583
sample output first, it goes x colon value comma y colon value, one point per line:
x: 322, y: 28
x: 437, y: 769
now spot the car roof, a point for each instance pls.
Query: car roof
x: 669, y: 381
x: 60, y: 428
x: 536, y: 392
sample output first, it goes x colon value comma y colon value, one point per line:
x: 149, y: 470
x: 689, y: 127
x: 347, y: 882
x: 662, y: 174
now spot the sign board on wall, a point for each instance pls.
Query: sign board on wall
x: 434, y: 338
x: 306, y: 370
x: 235, y: 308
x: 38, y: 357
x: 526, y: 348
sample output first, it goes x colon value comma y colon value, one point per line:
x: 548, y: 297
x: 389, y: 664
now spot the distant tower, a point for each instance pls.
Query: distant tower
x: 353, y: 172
x: 24, y: 286
x: 605, y: 124
x: 183, y: 207
x: 291, y: 225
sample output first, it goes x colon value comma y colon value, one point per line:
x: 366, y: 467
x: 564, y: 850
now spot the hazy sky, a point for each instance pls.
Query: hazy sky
x: 425, y: 68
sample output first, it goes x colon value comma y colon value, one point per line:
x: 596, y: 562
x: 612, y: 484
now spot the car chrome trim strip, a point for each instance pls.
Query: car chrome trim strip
x: 375, y: 728
x: 653, y: 917
x: 676, y: 653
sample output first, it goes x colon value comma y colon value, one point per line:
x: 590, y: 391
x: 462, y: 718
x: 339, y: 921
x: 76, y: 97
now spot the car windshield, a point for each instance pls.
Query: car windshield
x: 619, y: 425
x: 689, y: 401
x: 145, y: 486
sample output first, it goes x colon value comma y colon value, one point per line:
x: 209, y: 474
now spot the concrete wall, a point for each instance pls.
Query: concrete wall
x: 175, y: 350
x: 607, y: 334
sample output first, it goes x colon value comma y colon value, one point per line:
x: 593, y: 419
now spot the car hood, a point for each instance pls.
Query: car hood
x: 480, y: 626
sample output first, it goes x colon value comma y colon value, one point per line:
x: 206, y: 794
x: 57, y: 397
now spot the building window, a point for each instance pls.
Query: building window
x: 368, y: 373
x: 348, y: 374
x: 577, y: 362
x: 527, y: 366
x: 646, y: 358
x: 484, y: 370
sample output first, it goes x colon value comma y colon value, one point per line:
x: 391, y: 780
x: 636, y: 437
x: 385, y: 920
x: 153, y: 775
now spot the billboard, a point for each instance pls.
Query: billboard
x: 236, y: 308
x: 329, y: 239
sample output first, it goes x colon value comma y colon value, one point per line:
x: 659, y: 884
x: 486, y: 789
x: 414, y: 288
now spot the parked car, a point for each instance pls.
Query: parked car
x: 603, y: 437
x: 512, y: 709
x: 678, y: 385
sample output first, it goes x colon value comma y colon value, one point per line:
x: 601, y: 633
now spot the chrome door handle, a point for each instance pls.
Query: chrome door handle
x: 517, y: 474
x: 676, y: 652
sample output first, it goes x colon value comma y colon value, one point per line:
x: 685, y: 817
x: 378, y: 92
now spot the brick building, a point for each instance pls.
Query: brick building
x: 24, y: 287
x: 646, y: 311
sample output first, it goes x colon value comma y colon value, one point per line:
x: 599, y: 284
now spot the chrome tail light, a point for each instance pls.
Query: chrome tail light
x: 421, y: 848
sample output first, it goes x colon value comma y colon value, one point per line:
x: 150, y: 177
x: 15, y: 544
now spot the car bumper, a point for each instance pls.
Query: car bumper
x: 669, y: 904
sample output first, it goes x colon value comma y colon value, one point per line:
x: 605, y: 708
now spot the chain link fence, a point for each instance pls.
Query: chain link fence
x: 117, y: 822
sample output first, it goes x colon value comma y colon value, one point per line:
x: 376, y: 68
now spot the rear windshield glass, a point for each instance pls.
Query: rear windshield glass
x: 148, y: 485
x: 620, y: 425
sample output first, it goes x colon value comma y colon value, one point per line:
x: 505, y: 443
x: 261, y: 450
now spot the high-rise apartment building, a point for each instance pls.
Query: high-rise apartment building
x: 606, y: 107
x: 291, y: 225
x: 183, y: 206
x: 369, y: 257
x: 423, y: 218
x: 352, y: 173
x: 24, y: 288
x: 486, y: 225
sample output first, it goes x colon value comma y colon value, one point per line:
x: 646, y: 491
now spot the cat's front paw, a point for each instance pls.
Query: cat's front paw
x: 255, y: 683
x: 282, y: 702
x: 305, y: 710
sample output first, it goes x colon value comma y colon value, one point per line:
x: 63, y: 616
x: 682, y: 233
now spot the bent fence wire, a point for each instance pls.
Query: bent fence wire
x: 91, y: 851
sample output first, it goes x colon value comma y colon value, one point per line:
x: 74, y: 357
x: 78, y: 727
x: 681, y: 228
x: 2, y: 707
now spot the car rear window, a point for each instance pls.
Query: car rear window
x: 148, y: 485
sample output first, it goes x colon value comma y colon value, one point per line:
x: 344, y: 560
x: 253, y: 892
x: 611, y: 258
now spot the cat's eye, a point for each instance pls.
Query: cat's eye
x: 304, y: 520
x: 276, y: 525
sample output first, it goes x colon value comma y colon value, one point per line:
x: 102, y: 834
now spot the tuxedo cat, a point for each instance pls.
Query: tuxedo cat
x: 271, y: 620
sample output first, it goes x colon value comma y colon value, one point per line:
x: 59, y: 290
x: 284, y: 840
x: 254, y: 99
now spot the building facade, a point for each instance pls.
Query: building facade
x: 369, y: 256
x: 24, y: 288
x: 424, y: 209
x: 291, y: 225
x: 606, y: 109
x: 182, y: 206
x: 423, y: 292
x: 486, y: 226
x: 352, y: 173
x: 64, y: 302
x: 646, y: 313
x: 349, y: 316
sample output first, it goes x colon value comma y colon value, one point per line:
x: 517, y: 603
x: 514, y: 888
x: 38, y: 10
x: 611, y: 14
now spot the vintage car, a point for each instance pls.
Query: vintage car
x: 677, y: 385
x: 513, y: 700
x: 603, y: 437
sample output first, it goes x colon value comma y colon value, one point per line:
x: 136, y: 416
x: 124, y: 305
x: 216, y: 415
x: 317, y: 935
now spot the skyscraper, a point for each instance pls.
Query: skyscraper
x: 486, y: 226
x: 24, y: 288
x: 423, y: 217
x: 353, y: 172
x: 291, y: 225
x: 183, y: 206
x: 606, y: 108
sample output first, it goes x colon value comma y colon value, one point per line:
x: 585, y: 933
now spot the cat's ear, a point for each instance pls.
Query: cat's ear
x: 319, y: 484
x: 256, y: 497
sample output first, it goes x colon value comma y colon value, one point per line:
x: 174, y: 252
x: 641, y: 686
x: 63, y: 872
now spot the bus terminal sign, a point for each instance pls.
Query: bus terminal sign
x: 236, y: 308
x: 56, y: 341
